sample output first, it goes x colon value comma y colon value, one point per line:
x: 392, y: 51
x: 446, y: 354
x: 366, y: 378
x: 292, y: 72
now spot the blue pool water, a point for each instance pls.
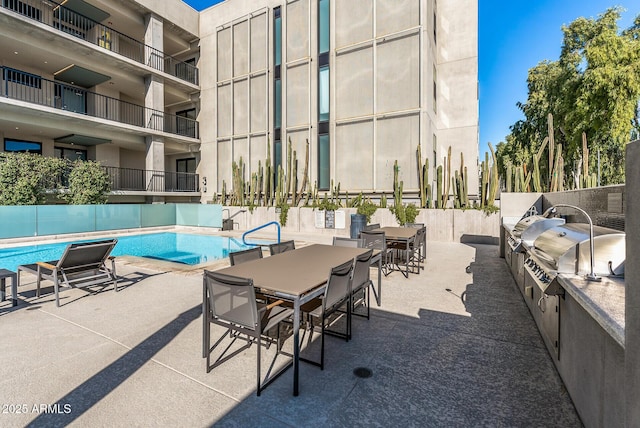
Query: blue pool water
x: 174, y: 247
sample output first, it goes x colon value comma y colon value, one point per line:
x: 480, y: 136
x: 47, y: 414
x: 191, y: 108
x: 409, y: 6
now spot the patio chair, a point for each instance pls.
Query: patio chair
x: 81, y: 265
x: 361, y: 282
x: 372, y: 226
x: 336, y: 295
x: 281, y: 247
x: 232, y: 304
x: 377, y: 241
x: 238, y: 257
x: 422, y: 242
x: 417, y: 247
x: 347, y: 242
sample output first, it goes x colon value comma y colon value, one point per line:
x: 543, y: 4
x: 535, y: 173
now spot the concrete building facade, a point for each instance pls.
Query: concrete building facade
x: 364, y: 82
x: 172, y: 97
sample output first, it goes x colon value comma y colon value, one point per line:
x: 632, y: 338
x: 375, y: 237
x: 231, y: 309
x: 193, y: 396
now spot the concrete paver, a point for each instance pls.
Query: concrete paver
x: 453, y: 346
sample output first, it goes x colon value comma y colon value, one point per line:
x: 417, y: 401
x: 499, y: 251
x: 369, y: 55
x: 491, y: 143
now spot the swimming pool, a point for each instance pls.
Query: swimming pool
x: 174, y: 247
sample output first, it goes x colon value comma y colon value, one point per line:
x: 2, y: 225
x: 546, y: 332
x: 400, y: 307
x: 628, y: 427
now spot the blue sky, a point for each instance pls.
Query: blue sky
x: 513, y: 37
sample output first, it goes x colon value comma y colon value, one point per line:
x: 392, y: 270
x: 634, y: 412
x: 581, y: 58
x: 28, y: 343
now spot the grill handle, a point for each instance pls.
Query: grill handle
x: 591, y: 276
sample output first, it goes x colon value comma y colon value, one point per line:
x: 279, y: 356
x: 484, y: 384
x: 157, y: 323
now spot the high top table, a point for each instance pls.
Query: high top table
x: 402, y: 236
x: 296, y: 276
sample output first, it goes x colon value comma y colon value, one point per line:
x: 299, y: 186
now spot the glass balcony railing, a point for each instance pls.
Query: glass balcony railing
x: 34, y: 89
x: 66, y: 20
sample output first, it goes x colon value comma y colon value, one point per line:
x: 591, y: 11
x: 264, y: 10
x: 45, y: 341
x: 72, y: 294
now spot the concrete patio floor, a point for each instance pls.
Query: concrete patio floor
x: 453, y: 346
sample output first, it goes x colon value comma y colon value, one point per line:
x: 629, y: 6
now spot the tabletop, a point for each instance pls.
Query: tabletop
x: 397, y: 232
x: 294, y: 272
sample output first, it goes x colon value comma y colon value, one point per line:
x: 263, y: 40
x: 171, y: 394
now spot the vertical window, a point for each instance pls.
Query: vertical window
x: 323, y: 26
x: 435, y: 89
x: 277, y: 104
x: 323, y: 94
x: 277, y: 37
x: 435, y: 22
x: 323, y: 162
x: 324, y: 42
x: 277, y: 89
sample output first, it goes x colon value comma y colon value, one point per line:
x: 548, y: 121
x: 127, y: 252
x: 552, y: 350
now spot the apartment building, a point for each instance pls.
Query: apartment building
x: 157, y: 91
x: 113, y: 81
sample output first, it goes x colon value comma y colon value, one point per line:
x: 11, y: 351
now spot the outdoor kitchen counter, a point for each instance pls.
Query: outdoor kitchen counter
x: 604, y: 301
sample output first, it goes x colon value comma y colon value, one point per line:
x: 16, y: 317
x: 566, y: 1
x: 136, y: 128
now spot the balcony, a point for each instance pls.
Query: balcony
x: 66, y: 20
x: 140, y: 180
x: 34, y: 89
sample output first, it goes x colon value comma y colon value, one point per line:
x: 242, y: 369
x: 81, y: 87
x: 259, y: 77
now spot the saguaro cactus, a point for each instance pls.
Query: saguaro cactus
x: 439, y: 198
x: 423, y: 179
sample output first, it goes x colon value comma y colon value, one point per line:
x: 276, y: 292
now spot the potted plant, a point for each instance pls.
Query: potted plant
x: 367, y: 209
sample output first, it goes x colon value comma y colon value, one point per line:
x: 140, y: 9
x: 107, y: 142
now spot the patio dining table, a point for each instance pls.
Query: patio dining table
x: 399, y: 238
x: 296, y: 276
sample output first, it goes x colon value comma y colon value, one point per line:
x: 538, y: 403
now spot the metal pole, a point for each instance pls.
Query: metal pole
x: 598, y: 167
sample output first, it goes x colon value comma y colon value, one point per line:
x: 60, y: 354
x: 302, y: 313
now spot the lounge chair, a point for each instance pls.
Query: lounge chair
x: 81, y: 265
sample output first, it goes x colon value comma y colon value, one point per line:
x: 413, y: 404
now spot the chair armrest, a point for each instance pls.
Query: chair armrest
x: 46, y: 265
x: 274, y: 304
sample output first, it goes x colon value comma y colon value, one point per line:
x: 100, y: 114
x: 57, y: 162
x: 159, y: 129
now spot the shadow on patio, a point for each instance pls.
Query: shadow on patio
x: 453, y: 346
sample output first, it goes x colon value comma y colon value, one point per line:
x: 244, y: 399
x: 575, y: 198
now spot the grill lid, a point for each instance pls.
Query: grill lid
x: 528, y: 229
x: 565, y: 249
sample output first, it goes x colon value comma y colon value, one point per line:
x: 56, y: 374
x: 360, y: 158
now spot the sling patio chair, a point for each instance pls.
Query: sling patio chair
x: 231, y: 303
x: 82, y: 265
x: 281, y: 247
x: 336, y: 295
x: 361, y: 284
x: 377, y: 241
x: 347, y: 242
x: 421, y: 240
x: 238, y: 257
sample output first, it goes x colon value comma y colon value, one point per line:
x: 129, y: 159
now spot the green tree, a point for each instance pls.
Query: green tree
x: 25, y: 178
x: 89, y: 183
x: 594, y: 87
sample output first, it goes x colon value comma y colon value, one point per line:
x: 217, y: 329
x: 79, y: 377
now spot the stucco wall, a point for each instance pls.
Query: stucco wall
x: 442, y: 225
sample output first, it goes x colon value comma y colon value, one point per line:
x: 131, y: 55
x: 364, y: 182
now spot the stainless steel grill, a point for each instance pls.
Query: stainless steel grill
x: 566, y: 250
x: 521, y: 238
x: 528, y: 229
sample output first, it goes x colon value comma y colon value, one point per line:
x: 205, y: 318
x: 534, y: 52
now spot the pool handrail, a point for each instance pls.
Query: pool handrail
x: 255, y: 229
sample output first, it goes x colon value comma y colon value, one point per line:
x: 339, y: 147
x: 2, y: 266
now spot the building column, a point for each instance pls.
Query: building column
x: 154, y: 39
x: 632, y: 286
x: 154, y: 103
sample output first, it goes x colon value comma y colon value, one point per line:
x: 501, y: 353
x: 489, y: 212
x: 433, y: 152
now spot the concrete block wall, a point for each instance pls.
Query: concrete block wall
x: 632, y: 285
x: 605, y: 205
x: 442, y: 225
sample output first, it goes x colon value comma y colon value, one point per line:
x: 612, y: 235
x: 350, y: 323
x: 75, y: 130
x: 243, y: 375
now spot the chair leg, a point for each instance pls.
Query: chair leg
x: 368, y: 291
x: 322, y: 345
x: 115, y: 277
x: 38, y: 285
x: 349, y: 313
x: 258, y: 353
x: 55, y: 287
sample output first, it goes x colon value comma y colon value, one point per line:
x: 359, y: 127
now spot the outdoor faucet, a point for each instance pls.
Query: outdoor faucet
x: 591, y: 276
